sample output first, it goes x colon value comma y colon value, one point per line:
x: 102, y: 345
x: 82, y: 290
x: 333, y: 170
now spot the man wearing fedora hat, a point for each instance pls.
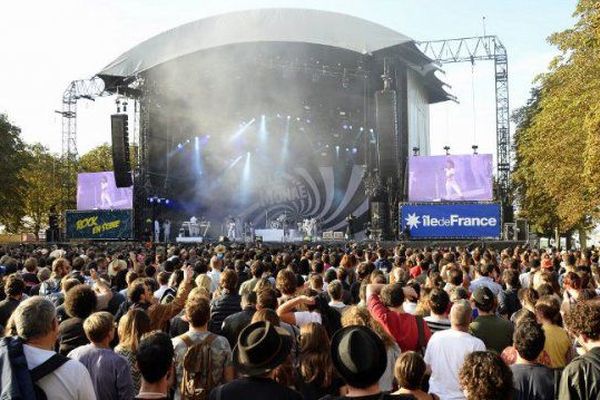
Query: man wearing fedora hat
x: 261, y: 347
x: 359, y: 356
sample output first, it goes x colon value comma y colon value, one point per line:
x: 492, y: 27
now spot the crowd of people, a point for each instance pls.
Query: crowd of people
x: 360, y: 321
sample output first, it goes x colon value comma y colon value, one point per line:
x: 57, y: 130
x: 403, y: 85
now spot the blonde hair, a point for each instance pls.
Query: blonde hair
x: 132, y: 327
x: 98, y: 326
x: 356, y: 315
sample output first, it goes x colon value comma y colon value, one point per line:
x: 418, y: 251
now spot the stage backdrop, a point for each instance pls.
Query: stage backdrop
x: 451, y: 221
x: 98, y: 191
x: 100, y: 224
x: 450, y: 178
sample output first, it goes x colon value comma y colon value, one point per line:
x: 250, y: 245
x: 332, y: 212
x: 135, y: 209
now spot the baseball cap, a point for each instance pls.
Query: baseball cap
x: 483, y: 296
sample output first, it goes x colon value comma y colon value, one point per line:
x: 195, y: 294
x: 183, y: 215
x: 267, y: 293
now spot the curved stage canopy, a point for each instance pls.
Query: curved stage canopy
x: 264, y: 25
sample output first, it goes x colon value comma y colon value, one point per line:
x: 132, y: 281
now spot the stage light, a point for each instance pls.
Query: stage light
x: 297, y: 118
x: 326, y: 146
x: 350, y: 127
x: 362, y: 129
x: 151, y: 199
x: 286, y: 138
x: 337, y: 151
x: 347, y: 149
x: 158, y: 201
x: 179, y: 146
x: 344, y: 126
x: 187, y: 141
x: 197, y: 158
x: 308, y: 121
x: 262, y: 130
x: 167, y: 201
x: 371, y: 130
x: 354, y: 150
x: 242, y: 129
x: 289, y: 117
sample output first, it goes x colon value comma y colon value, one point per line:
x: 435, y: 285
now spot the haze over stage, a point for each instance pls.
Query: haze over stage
x: 270, y: 113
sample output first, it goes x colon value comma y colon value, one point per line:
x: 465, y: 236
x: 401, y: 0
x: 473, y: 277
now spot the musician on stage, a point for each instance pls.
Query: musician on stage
x: 350, y: 219
x: 167, y: 230
x: 231, y: 228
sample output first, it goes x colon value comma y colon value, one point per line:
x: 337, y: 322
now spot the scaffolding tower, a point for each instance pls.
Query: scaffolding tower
x: 471, y: 49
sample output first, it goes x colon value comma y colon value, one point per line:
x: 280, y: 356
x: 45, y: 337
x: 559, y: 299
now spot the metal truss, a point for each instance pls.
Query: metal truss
x: 80, y: 89
x: 471, y: 49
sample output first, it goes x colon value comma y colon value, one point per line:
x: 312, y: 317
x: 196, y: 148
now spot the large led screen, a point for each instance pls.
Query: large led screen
x: 98, y: 191
x: 450, y: 178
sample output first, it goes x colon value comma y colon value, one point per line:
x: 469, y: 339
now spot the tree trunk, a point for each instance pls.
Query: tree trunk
x: 582, y: 238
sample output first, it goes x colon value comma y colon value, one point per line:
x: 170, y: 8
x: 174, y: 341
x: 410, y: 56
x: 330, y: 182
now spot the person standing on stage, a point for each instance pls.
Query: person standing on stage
x: 166, y: 230
x: 350, y: 219
x: 231, y: 228
x: 156, y: 231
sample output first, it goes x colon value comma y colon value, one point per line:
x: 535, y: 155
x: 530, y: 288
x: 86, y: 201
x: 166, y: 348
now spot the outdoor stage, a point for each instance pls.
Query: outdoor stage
x: 264, y: 119
x: 277, y: 113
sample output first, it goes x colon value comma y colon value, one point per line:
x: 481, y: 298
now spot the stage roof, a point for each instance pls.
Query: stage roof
x: 272, y: 25
x: 263, y: 25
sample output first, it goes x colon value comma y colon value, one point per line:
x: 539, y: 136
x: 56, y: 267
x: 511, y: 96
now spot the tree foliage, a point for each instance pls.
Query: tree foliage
x: 557, y: 134
x: 12, y: 185
x: 97, y: 160
x: 43, y: 180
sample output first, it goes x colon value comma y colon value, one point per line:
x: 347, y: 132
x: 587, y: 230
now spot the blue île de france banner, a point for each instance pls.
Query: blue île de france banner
x: 451, y: 221
x: 100, y: 224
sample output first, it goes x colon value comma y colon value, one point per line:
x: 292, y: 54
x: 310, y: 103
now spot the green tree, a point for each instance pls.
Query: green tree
x: 42, y: 179
x: 11, y: 183
x: 97, y: 159
x: 557, y: 136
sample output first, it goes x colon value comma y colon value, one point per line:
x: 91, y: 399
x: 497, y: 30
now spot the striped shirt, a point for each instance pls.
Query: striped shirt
x: 437, y: 324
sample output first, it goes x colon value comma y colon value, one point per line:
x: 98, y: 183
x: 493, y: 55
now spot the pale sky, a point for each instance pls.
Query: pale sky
x: 47, y: 44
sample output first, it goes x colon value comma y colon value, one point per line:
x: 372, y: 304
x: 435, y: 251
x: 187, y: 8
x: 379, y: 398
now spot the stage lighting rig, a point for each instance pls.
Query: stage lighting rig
x: 447, y: 148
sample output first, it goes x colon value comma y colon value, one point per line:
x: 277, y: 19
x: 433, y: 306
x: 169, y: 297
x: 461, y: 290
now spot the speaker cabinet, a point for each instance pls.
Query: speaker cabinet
x: 120, y: 149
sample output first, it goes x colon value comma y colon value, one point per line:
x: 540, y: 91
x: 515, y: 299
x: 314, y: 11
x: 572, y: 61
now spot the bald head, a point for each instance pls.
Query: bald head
x: 460, y: 315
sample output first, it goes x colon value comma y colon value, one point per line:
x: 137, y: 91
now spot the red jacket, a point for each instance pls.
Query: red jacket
x: 402, y: 327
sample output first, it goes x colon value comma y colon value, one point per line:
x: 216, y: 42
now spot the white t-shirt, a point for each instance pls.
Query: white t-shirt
x: 215, y: 277
x: 306, y: 317
x: 70, y: 381
x: 445, y: 353
x: 487, y: 282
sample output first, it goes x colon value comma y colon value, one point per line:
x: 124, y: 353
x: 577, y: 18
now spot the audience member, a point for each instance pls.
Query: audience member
x: 110, y: 373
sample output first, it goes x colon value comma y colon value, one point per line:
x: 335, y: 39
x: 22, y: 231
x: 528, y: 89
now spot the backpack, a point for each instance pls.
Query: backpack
x: 197, y: 375
x: 17, y: 382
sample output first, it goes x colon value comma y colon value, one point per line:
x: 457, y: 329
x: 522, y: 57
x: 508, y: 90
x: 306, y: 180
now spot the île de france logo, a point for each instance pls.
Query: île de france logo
x: 412, y: 221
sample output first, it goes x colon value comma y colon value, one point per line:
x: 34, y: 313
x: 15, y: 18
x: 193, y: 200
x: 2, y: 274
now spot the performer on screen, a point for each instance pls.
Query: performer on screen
x: 105, y: 200
x: 452, y: 188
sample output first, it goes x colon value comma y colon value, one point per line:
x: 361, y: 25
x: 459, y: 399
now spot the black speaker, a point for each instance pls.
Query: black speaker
x: 387, y: 131
x: 120, y: 149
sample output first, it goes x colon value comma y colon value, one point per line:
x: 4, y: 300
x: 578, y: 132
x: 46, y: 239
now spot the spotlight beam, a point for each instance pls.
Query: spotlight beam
x: 242, y: 129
